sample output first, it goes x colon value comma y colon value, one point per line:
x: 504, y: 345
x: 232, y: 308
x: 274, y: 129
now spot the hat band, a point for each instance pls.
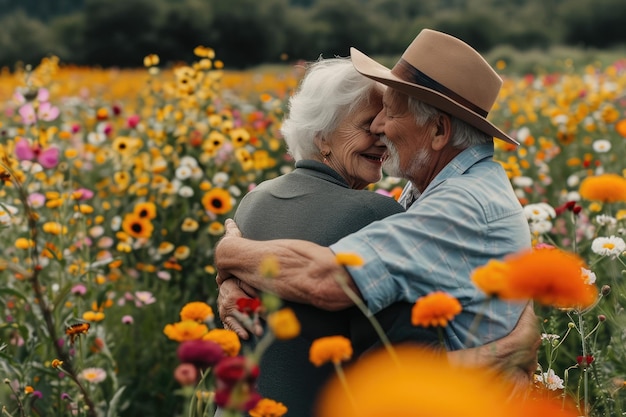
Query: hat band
x: 408, y: 72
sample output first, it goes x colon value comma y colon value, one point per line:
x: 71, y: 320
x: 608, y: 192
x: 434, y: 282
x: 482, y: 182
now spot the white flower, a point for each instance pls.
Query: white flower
x: 550, y: 380
x: 93, y: 375
x: 185, y: 191
x: 220, y: 179
x: 608, y: 246
x: 601, y: 146
x: 539, y: 211
x: 183, y: 172
x: 523, y: 134
x: 550, y: 337
x: 188, y: 161
x: 540, y: 226
x: 588, y: 276
x: 606, y: 220
x: 522, y: 181
x: 572, y: 196
x: 573, y: 181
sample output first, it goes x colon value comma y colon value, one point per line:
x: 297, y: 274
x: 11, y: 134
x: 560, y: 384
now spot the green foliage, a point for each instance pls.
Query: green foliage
x: 248, y: 33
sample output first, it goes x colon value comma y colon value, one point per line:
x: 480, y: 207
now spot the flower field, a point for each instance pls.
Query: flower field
x: 116, y: 185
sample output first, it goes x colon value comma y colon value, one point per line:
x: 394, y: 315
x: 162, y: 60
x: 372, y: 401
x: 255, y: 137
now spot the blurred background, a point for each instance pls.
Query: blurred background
x: 247, y: 33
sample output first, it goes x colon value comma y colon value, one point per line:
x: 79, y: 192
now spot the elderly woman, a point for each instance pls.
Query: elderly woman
x: 327, y: 132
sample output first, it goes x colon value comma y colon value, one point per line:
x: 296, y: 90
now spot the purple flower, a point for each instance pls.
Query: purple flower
x: 127, y: 319
x: 36, y: 395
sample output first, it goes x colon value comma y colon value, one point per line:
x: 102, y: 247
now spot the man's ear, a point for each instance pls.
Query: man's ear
x: 443, y: 132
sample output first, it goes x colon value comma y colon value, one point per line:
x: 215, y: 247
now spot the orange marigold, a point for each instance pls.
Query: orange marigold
x: 227, y: 339
x: 333, y: 349
x: 197, y: 311
x: 284, y: 324
x: 549, y: 276
x: 268, y: 408
x: 185, y: 330
x: 620, y: 128
x: 608, y: 188
x: 435, y: 309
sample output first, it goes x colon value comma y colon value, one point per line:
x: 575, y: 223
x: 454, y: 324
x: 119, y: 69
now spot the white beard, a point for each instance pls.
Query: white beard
x: 392, y: 167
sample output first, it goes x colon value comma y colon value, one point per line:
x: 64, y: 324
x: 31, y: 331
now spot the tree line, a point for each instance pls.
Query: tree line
x: 247, y: 33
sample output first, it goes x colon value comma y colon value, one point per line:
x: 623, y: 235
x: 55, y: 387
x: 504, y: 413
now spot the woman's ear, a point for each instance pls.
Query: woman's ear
x: 443, y: 131
x: 322, y: 145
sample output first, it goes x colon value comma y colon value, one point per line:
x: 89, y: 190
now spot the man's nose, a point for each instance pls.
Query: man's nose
x: 377, y: 126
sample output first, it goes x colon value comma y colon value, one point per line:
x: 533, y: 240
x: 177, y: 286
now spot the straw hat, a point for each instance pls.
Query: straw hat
x: 444, y: 72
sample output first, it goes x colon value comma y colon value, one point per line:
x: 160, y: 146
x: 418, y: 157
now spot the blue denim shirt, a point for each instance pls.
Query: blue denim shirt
x: 467, y: 215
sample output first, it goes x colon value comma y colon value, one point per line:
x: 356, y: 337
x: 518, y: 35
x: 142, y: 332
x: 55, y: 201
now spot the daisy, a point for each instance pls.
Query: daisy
x: 93, y: 375
x: 608, y: 246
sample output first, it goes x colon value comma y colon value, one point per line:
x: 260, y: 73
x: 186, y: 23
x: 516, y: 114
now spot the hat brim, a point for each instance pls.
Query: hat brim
x: 378, y: 72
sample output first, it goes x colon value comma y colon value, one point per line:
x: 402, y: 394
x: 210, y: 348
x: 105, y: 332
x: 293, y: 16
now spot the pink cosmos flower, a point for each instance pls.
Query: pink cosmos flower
x: 27, y: 111
x: 47, y: 112
x: 47, y: 158
x: 132, y: 121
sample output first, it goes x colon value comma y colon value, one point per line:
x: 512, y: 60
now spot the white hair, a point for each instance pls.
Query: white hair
x: 331, y: 90
x: 464, y: 135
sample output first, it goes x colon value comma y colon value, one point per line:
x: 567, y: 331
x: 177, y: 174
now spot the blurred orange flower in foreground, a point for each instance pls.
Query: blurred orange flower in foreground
x: 550, y: 276
x: 424, y: 384
x: 335, y: 349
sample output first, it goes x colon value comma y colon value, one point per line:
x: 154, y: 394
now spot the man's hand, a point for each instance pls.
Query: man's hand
x: 514, y: 356
x: 229, y: 291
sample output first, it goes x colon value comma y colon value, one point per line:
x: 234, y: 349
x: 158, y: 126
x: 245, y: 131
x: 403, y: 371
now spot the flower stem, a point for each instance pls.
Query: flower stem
x: 344, y: 383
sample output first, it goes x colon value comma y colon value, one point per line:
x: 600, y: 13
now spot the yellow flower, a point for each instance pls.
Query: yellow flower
x: 244, y: 158
x: 239, y: 137
x: 435, y: 309
x: 268, y: 408
x: 284, y: 324
x: 150, y: 60
x: 54, y: 228
x: 94, y: 316
x: 227, y: 339
x: 56, y: 363
x: 182, y: 252
x: 145, y: 210
x: 333, y: 349
x: 165, y: 248
x: 23, y: 243
x: 189, y: 225
x: 349, y: 259
x: 269, y: 267
x: 185, y: 330
x: 607, y: 188
x: 216, y: 228
x: 28, y: 389
x: 197, y: 311
x: 218, y: 201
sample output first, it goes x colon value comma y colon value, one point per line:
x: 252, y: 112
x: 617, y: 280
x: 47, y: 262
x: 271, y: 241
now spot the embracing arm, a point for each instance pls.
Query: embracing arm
x: 307, y: 272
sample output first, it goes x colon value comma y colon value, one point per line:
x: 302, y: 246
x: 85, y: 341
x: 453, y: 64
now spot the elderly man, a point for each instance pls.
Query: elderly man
x: 461, y: 209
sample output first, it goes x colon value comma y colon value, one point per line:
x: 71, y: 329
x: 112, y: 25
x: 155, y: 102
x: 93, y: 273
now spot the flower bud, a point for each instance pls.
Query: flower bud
x: 606, y: 290
x: 571, y: 325
x: 601, y: 318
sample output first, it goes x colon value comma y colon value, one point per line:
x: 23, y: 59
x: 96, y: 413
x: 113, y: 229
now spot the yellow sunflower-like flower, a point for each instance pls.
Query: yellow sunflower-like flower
x: 227, y: 339
x: 145, y: 210
x: 435, y: 309
x: 239, y: 137
x: 94, y: 316
x: 189, y: 225
x: 197, y: 311
x: 284, y: 324
x: 268, y: 408
x: 218, y: 201
x: 607, y: 188
x: 335, y: 349
x: 136, y: 226
x: 245, y: 158
x: 185, y: 330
